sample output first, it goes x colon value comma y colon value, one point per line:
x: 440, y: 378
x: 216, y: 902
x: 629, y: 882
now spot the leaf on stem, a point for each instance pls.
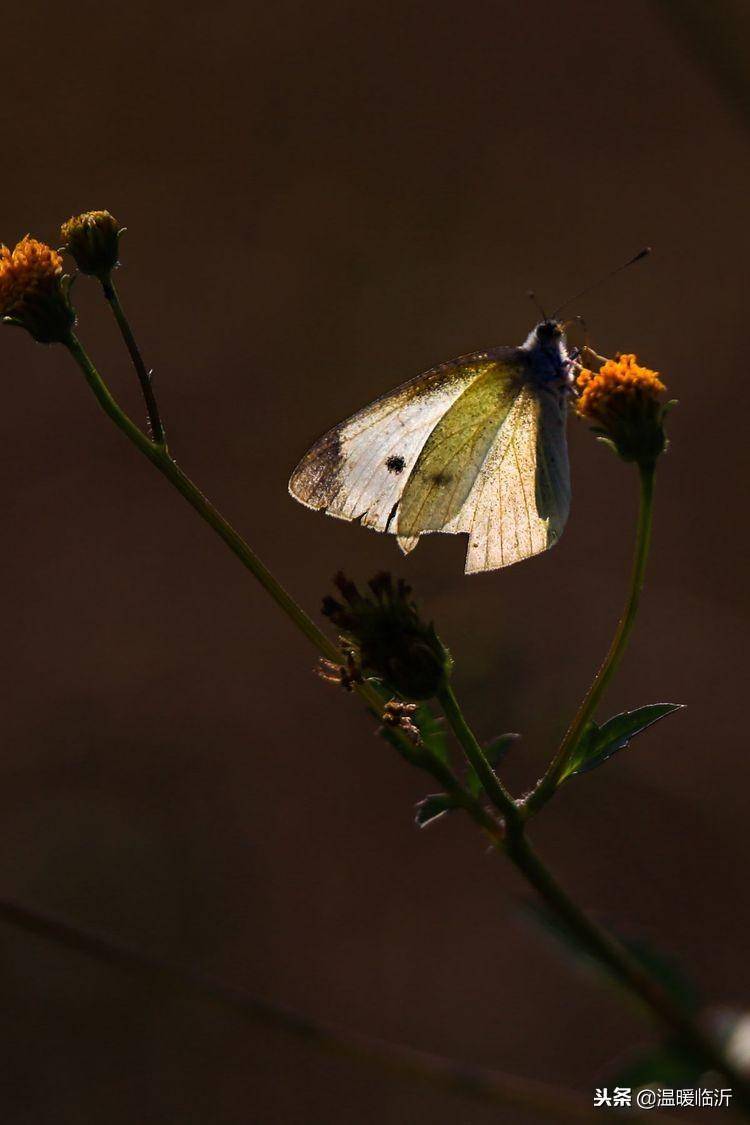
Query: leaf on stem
x: 432, y: 808
x: 495, y: 751
x: 598, y: 743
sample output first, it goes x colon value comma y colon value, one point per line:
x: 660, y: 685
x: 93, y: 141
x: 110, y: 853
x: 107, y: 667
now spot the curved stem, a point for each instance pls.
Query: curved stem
x: 546, y: 787
x: 144, y: 375
x: 159, y: 456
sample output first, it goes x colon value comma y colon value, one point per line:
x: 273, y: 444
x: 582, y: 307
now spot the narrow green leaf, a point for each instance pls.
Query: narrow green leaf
x: 433, y: 807
x: 597, y: 744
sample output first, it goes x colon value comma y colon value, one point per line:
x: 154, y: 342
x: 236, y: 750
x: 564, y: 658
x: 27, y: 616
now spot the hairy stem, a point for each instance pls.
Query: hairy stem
x: 144, y: 375
x: 546, y: 787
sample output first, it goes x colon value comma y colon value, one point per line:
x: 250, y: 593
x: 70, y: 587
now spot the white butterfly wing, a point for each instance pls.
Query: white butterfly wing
x: 360, y: 468
x: 520, y: 500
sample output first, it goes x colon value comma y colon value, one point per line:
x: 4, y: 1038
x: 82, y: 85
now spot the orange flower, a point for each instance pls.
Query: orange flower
x: 623, y: 401
x: 33, y: 291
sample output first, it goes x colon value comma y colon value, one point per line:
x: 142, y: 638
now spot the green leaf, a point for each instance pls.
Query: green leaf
x: 433, y: 807
x: 494, y: 751
x: 597, y: 744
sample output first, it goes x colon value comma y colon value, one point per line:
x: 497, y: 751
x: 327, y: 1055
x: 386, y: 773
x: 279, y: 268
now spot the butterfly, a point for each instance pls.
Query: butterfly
x: 476, y: 445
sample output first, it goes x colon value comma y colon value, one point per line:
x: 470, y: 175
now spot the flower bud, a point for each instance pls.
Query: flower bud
x: 34, y: 292
x: 623, y: 400
x: 392, y: 641
x: 93, y: 240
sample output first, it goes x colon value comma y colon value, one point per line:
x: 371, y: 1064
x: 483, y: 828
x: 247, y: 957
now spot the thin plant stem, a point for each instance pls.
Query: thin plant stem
x: 546, y: 787
x: 451, y: 1075
x: 145, y: 377
x: 475, y: 755
x: 158, y: 455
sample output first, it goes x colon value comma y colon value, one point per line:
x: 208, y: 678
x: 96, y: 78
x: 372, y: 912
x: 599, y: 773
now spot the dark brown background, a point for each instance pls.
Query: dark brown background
x: 322, y: 200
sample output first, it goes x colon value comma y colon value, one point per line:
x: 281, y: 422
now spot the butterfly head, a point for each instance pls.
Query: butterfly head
x: 548, y: 335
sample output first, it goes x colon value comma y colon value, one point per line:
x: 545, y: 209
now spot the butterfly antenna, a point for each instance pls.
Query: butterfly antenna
x: 533, y: 297
x: 630, y: 262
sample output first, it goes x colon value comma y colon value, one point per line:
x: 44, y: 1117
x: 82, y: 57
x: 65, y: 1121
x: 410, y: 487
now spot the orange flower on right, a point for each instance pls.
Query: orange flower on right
x: 623, y: 400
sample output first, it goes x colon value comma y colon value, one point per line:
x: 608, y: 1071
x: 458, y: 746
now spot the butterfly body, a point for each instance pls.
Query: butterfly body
x: 476, y: 445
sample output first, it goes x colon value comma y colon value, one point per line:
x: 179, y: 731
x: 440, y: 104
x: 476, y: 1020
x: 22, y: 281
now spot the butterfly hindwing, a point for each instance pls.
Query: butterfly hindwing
x: 520, y: 500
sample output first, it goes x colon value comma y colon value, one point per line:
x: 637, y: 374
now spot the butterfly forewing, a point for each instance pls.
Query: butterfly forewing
x: 359, y: 469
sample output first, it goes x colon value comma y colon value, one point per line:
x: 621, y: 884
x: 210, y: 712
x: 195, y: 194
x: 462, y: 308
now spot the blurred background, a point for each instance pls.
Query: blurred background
x: 323, y: 200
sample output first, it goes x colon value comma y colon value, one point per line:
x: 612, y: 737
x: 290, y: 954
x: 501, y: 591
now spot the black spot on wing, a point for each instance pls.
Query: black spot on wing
x: 395, y: 464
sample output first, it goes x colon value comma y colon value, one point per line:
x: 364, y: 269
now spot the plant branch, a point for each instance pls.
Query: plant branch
x: 512, y: 841
x: 433, y: 1070
x: 546, y: 787
x: 145, y: 377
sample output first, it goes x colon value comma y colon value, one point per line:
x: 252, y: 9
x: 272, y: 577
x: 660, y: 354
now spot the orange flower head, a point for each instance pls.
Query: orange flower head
x: 623, y: 401
x: 34, y: 292
x: 93, y: 240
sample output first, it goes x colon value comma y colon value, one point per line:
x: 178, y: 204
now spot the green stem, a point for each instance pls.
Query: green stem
x: 546, y: 787
x: 476, y: 756
x: 159, y: 457
x: 625, y: 968
x: 144, y: 375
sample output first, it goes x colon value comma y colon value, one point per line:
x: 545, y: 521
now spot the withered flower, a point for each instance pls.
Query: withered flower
x: 93, y: 240
x: 392, y: 641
